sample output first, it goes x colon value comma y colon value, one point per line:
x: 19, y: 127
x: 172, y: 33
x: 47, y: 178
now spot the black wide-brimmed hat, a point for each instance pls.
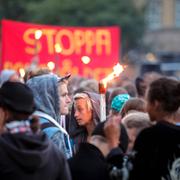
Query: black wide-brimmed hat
x: 17, y: 97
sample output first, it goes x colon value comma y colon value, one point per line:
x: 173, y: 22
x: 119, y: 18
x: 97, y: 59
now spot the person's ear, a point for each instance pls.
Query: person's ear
x: 157, y: 105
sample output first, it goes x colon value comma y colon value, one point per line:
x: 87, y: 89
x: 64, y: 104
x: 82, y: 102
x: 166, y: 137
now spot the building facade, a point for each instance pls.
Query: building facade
x: 162, y: 36
x: 163, y: 25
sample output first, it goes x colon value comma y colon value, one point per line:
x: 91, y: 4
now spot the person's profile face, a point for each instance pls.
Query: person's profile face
x: 64, y: 99
x: 82, y: 114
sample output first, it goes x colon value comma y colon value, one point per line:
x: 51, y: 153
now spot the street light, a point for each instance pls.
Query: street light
x: 151, y: 57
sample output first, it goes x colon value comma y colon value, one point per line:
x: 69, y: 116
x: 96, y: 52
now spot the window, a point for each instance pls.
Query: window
x: 177, y: 13
x: 154, y: 14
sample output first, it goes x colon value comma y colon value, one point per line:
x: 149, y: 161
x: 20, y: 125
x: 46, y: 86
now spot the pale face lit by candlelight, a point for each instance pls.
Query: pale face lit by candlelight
x: 82, y: 113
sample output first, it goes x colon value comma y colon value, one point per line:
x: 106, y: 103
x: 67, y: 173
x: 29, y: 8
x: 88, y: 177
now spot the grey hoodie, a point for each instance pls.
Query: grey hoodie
x: 45, y: 90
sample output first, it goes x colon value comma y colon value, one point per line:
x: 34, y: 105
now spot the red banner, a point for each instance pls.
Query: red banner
x: 86, y: 51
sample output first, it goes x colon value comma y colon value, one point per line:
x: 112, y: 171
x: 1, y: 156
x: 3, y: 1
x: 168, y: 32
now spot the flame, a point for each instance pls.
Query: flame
x: 51, y: 65
x: 38, y: 34
x: 22, y: 72
x: 117, y: 70
x: 58, y: 48
x: 86, y: 59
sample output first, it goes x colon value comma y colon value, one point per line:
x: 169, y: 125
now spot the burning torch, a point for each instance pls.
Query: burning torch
x: 117, y: 70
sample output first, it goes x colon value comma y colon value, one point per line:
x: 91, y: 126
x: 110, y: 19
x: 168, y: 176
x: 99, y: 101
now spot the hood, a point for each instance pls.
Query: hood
x: 29, y: 152
x: 45, y: 90
x: 73, y: 127
x: 5, y: 75
x: 95, y: 100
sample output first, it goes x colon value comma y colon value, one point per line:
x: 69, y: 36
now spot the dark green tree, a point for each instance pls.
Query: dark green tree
x: 93, y: 13
x: 14, y: 9
x: 81, y: 13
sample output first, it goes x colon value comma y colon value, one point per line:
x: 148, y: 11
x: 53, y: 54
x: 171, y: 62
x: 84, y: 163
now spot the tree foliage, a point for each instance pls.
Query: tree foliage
x: 81, y: 13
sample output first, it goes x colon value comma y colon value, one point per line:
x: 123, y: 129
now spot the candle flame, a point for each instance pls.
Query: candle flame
x: 86, y: 59
x: 22, y: 72
x: 51, y: 65
x: 117, y: 70
x: 58, y: 48
x: 38, y: 34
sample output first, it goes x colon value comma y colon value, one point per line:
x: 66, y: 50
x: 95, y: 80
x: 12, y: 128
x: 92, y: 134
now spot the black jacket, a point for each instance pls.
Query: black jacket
x: 157, y: 148
x: 88, y: 164
x: 31, y: 157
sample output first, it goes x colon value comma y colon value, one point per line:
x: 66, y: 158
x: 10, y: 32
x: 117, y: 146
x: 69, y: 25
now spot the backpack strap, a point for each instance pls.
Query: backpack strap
x: 51, y: 120
x: 46, y: 125
x: 53, y: 123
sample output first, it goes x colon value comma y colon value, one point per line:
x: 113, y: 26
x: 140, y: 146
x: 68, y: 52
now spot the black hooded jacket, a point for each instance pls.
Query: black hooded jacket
x: 31, y: 157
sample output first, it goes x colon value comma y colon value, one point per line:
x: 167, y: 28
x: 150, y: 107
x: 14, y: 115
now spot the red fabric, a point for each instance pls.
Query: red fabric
x: 101, y: 44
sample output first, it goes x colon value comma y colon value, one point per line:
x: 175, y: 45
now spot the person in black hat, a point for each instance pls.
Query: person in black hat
x: 25, y: 153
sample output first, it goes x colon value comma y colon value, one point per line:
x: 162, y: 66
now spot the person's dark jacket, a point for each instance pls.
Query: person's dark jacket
x: 157, y: 149
x: 115, y: 155
x: 31, y: 157
x: 88, y: 164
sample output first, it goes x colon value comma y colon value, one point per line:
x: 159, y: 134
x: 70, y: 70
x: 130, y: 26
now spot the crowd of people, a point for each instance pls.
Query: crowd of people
x: 50, y: 128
